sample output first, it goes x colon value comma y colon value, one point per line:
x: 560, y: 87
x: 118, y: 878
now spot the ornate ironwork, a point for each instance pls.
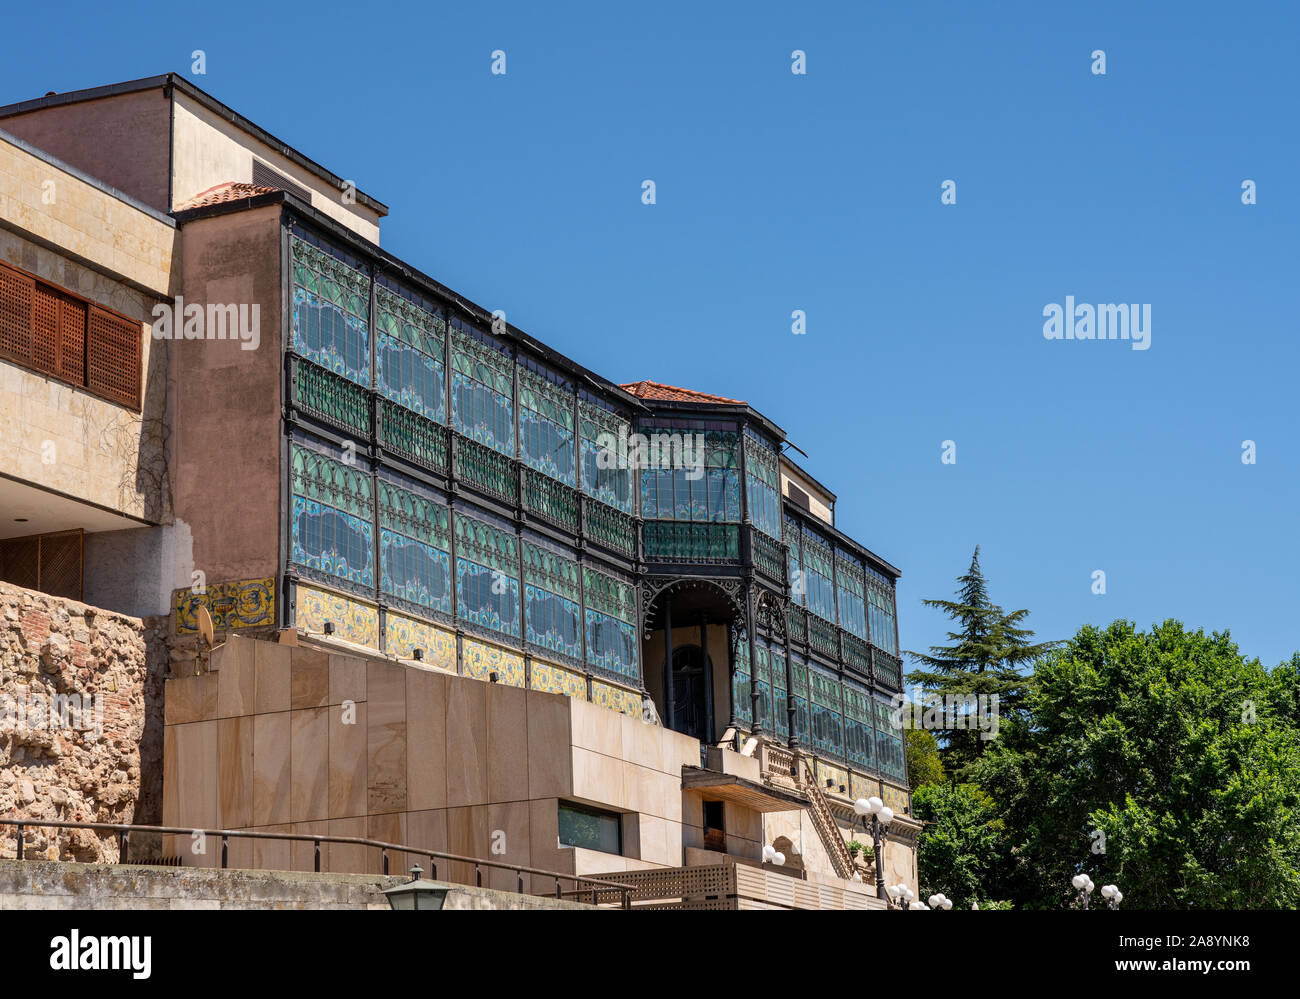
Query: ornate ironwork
x: 327, y: 396
x: 691, y: 543
x: 888, y: 670
x: 550, y: 500
x: 412, y: 436
x: 768, y: 558
x: 486, y: 469
x: 610, y: 527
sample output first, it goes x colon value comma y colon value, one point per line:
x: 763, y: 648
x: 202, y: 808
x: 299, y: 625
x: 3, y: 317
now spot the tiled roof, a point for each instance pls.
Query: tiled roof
x: 657, y: 391
x: 223, y: 193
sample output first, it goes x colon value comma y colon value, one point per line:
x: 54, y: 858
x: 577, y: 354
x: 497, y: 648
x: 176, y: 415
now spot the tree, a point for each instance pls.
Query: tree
x: 990, y: 647
x: 957, y: 850
x: 923, y: 763
x: 1164, y: 762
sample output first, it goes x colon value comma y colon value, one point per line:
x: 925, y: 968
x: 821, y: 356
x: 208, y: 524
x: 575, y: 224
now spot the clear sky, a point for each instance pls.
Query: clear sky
x: 821, y: 192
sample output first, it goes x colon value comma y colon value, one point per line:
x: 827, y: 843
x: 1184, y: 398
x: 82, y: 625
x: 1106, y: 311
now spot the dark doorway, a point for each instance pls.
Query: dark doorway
x: 692, y: 675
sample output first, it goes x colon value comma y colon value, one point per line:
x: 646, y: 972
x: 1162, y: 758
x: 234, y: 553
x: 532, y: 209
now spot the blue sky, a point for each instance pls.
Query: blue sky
x: 821, y: 192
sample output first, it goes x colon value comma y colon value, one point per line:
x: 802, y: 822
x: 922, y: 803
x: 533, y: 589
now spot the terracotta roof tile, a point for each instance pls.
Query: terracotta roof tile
x: 657, y: 391
x: 223, y: 193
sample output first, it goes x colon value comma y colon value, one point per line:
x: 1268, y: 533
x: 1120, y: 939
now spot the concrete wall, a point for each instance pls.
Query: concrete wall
x: 819, y: 503
x: 225, y: 405
x: 211, y: 151
x: 74, y: 765
x: 32, y: 884
x: 122, y: 140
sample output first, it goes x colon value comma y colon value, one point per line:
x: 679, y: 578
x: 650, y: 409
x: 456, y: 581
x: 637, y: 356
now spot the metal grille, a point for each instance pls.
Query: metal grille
x: 50, y: 563
x: 113, y: 357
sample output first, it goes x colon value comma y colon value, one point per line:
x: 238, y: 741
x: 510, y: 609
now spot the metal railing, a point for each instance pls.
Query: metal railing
x: 594, y: 891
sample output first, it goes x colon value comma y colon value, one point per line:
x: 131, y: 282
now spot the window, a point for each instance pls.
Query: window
x: 409, y: 352
x: 880, y: 602
x: 415, y: 567
x: 331, y: 310
x: 604, y: 476
x: 487, y: 575
x: 551, y: 594
x: 590, y: 828
x: 611, y: 624
x: 482, y: 390
x: 546, y: 440
x: 762, y: 486
x: 333, y: 516
x: 56, y: 333
x: 693, y: 474
x: 849, y: 590
x: 819, y: 590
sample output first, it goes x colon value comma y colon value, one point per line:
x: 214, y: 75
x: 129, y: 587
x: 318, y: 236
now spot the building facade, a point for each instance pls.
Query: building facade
x: 331, y: 451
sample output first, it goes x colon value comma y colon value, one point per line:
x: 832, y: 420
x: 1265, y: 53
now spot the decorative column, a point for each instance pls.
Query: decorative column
x: 669, y: 699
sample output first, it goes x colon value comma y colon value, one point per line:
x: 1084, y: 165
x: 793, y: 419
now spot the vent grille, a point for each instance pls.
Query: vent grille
x: 265, y: 176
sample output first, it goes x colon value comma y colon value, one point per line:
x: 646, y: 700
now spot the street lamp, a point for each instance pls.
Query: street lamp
x: 417, y: 894
x: 1083, y: 885
x: 881, y: 815
x: 1112, y: 895
x: 939, y: 901
x: 771, y: 855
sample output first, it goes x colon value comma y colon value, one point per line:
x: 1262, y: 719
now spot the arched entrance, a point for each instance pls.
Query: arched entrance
x: 689, y: 637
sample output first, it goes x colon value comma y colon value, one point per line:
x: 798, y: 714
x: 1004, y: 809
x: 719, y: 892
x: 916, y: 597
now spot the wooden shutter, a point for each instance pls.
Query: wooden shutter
x: 47, y: 352
x: 61, y: 564
x: 113, y: 357
x: 72, y: 320
x: 50, y: 563
x: 16, y: 291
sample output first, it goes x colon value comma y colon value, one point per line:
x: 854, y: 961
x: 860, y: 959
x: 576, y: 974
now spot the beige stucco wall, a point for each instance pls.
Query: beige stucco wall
x: 819, y: 502
x: 97, y: 450
x: 122, y: 140
x: 210, y: 150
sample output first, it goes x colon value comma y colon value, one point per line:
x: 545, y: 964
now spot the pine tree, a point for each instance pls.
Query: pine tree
x: 989, y: 648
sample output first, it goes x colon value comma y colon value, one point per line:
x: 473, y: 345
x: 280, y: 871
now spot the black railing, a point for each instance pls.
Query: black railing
x: 598, y: 890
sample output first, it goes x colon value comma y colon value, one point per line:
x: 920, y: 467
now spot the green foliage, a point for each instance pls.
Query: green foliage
x: 923, y: 763
x: 1179, y: 751
x: 957, y: 848
x: 990, y: 648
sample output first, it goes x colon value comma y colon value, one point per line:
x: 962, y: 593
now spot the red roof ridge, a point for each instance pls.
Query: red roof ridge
x: 224, y: 192
x: 646, y: 389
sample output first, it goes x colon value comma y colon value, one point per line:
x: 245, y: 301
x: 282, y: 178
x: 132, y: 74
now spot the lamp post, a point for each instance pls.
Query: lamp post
x: 771, y: 855
x: 1112, y: 895
x: 881, y: 815
x: 940, y: 901
x: 1083, y: 885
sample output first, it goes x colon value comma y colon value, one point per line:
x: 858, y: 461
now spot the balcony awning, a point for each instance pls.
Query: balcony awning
x: 750, y: 794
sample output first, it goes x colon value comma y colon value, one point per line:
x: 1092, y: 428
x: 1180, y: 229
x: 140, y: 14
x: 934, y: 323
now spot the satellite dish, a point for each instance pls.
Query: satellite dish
x: 206, y: 629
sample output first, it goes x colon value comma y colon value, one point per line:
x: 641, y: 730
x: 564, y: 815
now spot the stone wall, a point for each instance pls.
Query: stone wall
x: 76, y: 697
x: 42, y: 885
